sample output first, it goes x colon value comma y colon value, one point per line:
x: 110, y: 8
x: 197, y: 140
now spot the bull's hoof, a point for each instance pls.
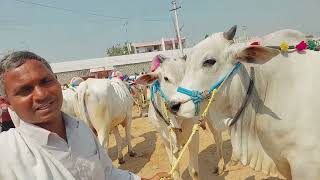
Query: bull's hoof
x: 132, y: 154
x: 121, y: 161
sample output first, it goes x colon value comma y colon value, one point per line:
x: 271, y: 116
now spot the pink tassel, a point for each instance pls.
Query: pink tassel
x: 155, y: 63
x: 301, y: 46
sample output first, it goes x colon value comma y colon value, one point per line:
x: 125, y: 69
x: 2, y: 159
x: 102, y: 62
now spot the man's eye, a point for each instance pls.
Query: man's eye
x: 24, y: 91
x: 46, y: 81
x: 209, y: 62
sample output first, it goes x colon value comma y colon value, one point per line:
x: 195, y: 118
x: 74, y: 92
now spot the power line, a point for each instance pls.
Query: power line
x: 115, y: 18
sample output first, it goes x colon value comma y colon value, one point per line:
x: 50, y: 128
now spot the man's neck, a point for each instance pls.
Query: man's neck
x: 57, y: 126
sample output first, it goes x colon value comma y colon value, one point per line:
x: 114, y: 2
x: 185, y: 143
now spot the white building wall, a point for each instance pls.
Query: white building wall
x: 111, y: 61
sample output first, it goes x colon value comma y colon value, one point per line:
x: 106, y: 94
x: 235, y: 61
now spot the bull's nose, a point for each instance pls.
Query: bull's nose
x: 174, y: 107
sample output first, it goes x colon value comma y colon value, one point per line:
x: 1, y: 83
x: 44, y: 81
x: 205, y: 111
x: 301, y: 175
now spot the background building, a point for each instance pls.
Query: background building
x: 102, y: 67
x: 161, y: 45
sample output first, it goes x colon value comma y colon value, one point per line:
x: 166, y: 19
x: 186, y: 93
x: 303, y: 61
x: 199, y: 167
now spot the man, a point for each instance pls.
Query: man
x: 5, y: 120
x: 48, y: 144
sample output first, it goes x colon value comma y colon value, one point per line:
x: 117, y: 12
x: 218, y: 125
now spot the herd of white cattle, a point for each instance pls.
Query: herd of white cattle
x: 276, y: 131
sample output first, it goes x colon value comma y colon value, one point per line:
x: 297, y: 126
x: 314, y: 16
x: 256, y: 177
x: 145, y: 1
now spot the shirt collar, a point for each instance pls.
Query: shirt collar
x: 40, y: 135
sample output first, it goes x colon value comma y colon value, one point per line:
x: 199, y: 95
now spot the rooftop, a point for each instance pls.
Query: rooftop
x: 109, y: 62
x: 152, y: 43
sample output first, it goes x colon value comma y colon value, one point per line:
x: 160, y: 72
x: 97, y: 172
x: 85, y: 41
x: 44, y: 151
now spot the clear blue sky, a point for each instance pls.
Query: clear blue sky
x: 63, y: 30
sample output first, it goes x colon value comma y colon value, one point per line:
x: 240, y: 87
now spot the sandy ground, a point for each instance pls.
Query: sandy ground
x: 151, y: 155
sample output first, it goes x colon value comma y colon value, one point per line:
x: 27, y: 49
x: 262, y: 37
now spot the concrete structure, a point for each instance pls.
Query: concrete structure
x: 102, y: 67
x: 161, y: 45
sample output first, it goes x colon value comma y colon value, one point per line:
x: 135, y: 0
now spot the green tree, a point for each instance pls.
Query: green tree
x: 118, y: 50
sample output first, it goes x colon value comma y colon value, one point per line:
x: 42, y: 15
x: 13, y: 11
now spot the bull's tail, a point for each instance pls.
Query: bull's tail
x: 82, y: 92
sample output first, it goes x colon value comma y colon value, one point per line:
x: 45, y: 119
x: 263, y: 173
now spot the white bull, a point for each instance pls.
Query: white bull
x: 279, y: 121
x: 104, y: 104
x: 169, y: 74
x: 70, y: 104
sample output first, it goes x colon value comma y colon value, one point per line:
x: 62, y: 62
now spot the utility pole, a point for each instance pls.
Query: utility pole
x: 127, y: 44
x: 175, y: 8
x: 244, y: 28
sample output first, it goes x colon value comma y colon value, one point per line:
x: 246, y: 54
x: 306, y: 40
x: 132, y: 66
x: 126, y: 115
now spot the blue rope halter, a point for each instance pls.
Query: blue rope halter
x: 155, y: 87
x: 198, y: 96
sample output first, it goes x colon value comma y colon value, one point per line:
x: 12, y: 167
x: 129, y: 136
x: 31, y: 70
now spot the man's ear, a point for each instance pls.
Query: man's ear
x: 147, y: 78
x: 253, y: 53
x: 6, y: 101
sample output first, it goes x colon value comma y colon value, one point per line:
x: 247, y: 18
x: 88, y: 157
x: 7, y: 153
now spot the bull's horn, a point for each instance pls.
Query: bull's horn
x: 229, y: 35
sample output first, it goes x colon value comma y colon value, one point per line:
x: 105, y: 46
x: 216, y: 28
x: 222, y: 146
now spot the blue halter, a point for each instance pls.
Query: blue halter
x: 198, y: 96
x: 155, y: 87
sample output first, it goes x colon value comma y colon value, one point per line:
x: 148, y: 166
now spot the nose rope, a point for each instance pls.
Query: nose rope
x: 195, y: 129
x: 198, y: 96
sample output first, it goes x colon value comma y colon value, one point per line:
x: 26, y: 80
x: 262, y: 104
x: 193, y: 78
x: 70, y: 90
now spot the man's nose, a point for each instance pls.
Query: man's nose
x: 174, y: 106
x: 40, y: 93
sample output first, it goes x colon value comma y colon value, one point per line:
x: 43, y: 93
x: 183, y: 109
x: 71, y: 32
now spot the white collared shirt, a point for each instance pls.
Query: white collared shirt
x: 82, y: 155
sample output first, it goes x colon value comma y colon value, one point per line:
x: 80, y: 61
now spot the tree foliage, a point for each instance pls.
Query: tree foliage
x: 118, y: 50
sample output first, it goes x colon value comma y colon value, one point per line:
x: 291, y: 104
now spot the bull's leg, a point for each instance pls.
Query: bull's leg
x: 193, y: 157
x: 127, y: 126
x: 117, y: 136
x: 219, y: 144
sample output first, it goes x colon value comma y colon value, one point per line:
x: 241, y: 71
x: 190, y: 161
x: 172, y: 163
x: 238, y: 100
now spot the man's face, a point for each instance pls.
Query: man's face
x: 33, y: 92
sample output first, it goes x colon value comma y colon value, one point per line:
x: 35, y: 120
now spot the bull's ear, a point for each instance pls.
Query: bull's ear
x: 253, y: 54
x: 157, y: 61
x: 147, y: 78
x: 229, y: 35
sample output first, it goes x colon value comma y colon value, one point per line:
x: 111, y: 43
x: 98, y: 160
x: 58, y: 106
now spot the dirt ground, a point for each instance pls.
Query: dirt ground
x: 151, y: 155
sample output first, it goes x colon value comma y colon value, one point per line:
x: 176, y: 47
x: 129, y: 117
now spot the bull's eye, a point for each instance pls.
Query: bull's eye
x: 209, y: 62
x: 166, y: 79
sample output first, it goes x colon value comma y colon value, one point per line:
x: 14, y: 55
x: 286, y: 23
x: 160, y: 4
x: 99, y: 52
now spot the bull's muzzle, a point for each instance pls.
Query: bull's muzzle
x: 174, y: 107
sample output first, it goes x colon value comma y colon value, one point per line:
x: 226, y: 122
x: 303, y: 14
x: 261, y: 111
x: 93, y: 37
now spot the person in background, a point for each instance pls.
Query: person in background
x: 48, y: 144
